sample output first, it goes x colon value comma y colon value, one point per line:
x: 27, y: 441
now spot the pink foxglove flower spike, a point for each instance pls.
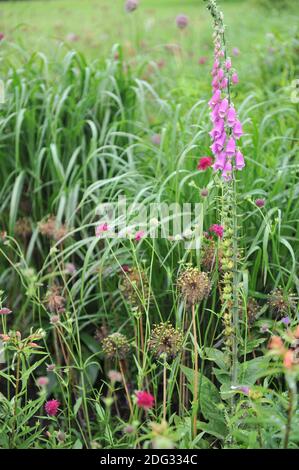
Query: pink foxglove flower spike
x: 227, y: 128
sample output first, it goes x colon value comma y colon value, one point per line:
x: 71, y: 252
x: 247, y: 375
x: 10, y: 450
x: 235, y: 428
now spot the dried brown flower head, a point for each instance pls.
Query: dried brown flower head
x: 252, y: 310
x: 281, y: 303
x: 134, y: 287
x: 116, y: 345
x: 51, y: 229
x: 101, y: 333
x: 211, y: 257
x: 23, y: 227
x: 165, y: 339
x: 54, y: 301
x: 194, y: 285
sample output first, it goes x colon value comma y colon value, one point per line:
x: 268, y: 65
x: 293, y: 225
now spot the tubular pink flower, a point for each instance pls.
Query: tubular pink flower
x: 220, y: 74
x: 231, y: 117
x: 230, y: 147
x: 215, y: 98
x: 227, y: 171
x: 223, y: 107
x: 220, y: 161
x: 235, y: 78
x: 228, y: 64
x: 224, y: 83
x: 239, y: 160
x: 238, y: 130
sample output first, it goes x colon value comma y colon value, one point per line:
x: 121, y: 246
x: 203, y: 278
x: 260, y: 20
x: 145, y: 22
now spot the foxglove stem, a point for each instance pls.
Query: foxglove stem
x: 227, y: 130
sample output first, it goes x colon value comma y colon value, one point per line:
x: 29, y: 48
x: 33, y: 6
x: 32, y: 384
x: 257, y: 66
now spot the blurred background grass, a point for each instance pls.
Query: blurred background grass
x: 93, y: 26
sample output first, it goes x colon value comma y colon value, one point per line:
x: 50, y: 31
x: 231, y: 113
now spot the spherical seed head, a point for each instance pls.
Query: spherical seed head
x: 281, y: 303
x: 194, y: 285
x: 167, y: 340
x: 117, y: 345
x: 54, y: 300
x: 135, y: 287
x: 23, y: 227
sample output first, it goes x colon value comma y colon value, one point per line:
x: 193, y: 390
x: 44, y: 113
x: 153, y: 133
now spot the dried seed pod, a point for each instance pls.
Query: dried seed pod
x: 51, y: 229
x: 116, y: 345
x: 135, y: 287
x: 54, y: 299
x: 194, y: 285
x: 167, y: 340
x: 281, y: 303
x: 23, y: 227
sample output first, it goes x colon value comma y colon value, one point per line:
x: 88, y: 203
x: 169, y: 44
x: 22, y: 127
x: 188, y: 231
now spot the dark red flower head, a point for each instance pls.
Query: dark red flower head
x: 145, y: 400
x: 217, y: 230
x: 204, y: 163
x: 51, y: 407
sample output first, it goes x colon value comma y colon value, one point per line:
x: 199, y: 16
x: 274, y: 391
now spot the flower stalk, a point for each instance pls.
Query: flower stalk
x: 226, y: 132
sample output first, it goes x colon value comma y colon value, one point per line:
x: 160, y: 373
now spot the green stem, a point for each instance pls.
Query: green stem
x: 289, y: 419
x: 16, y: 398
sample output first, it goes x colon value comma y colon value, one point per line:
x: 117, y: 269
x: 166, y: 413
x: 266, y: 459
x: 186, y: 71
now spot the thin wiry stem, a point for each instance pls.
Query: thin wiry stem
x: 195, y: 383
x: 126, y: 388
x: 164, y: 390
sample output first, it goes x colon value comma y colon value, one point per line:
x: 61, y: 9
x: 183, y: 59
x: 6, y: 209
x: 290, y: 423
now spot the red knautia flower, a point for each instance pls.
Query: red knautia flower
x: 145, y: 400
x: 204, y: 163
x: 260, y: 202
x: 5, y: 311
x: 217, y: 230
x: 101, y: 228
x: 51, y: 407
x: 125, y: 268
x: 182, y: 21
x: 2, y: 36
x: 139, y: 235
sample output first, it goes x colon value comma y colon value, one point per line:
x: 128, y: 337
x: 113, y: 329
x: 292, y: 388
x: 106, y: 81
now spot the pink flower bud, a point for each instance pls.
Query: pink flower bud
x: 235, y: 78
